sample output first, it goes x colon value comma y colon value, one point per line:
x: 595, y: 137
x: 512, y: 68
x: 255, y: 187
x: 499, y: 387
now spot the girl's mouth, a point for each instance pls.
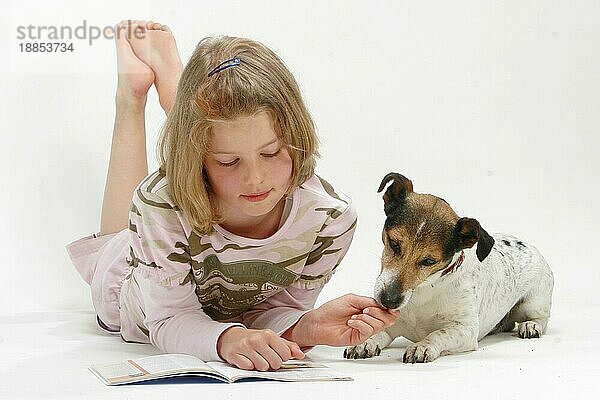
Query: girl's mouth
x: 256, y: 196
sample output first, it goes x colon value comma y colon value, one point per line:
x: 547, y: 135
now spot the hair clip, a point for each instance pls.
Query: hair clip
x: 225, y: 64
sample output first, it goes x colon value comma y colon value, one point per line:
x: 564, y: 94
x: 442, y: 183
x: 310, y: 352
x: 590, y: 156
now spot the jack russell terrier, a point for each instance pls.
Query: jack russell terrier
x: 449, y: 294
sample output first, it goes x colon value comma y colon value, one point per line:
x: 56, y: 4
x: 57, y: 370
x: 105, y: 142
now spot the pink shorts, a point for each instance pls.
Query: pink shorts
x: 101, y: 262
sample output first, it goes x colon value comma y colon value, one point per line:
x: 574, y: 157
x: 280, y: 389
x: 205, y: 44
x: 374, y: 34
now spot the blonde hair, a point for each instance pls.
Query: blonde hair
x: 261, y: 82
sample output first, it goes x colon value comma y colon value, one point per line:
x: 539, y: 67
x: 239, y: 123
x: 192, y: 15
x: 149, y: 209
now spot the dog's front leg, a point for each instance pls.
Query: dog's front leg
x: 454, y: 338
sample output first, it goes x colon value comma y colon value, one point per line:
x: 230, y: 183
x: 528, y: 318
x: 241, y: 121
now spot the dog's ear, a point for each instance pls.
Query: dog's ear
x: 468, y: 232
x: 396, y: 193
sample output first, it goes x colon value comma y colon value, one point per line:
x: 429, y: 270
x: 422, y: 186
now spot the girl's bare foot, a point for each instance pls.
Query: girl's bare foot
x: 156, y: 47
x: 135, y: 77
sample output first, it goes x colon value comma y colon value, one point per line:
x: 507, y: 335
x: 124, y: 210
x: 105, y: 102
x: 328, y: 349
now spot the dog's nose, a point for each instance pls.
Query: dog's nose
x: 391, y: 296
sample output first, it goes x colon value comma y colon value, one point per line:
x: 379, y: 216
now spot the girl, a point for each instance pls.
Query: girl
x: 225, y: 248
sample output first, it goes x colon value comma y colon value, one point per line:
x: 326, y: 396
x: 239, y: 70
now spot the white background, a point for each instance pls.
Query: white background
x: 494, y: 106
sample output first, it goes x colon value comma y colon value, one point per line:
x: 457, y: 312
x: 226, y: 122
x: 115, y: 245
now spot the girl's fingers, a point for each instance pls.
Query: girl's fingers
x: 259, y: 350
x: 362, y: 327
x: 279, y: 351
x: 271, y: 356
x: 359, y: 302
x: 375, y: 323
x: 276, y: 353
x: 259, y: 362
x: 282, y: 348
x: 372, y: 320
x: 261, y: 359
x: 241, y: 361
x: 297, y: 353
x: 388, y: 317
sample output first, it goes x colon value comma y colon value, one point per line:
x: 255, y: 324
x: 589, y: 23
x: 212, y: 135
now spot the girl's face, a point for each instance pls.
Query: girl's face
x: 249, y: 169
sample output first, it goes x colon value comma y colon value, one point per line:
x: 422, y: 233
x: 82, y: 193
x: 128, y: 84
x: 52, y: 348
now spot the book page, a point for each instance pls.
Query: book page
x: 293, y: 370
x: 145, y: 368
x: 165, y: 363
x: 116, y: 372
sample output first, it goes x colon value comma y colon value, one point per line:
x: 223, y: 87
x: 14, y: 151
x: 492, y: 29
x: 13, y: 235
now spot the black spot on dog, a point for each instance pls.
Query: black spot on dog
x: 520, y: 244
x: 506, y: 242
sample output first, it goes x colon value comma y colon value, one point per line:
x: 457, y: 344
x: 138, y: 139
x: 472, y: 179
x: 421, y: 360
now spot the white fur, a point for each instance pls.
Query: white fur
x: 449, y: 314
x: 420, y: 228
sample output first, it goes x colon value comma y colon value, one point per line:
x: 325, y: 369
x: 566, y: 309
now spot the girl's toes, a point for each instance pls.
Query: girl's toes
x: 165, y: 28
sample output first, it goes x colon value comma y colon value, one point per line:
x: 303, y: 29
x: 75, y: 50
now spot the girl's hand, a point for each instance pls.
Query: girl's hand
x: 346, y: 321
x: 256, y: 349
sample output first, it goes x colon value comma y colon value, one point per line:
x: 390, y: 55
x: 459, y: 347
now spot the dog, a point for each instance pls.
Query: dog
x: 451, y: 294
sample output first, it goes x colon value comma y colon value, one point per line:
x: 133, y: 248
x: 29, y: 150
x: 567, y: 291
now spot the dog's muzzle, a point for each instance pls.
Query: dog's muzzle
x: 390, y: 295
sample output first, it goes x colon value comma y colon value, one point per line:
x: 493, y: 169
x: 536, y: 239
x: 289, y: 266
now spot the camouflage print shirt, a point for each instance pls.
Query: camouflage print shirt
x: 183, y: 290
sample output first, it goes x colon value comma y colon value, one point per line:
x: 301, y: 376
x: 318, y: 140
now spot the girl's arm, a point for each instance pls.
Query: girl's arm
x: 345, y: 321
x: 284, y: 309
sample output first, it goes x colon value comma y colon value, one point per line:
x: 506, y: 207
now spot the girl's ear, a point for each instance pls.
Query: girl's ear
x: 467, y: 232
x: 396, y: 193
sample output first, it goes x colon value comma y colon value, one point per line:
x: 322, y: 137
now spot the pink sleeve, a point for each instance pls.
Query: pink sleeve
x: 282, y: 310
x: 162, y: 271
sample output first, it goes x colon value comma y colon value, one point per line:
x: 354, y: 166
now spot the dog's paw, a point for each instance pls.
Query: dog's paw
x: 529, y: 330
x: 367, y: 349
x: 420, y: 353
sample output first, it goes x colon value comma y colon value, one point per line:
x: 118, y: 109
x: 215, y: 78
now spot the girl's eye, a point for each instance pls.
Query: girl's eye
x: 228, y: 164
x: 428, y: 262
x: 269, y: 155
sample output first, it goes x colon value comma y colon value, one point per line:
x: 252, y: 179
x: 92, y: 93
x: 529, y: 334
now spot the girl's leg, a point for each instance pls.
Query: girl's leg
x: 149, y: 57
x: 128, y: 163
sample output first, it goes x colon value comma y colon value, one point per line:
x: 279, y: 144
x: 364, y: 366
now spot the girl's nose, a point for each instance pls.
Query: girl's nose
x: 255, y: 173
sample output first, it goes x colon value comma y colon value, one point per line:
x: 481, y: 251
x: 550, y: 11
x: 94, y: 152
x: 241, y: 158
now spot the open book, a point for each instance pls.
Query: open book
x: 173, y: 365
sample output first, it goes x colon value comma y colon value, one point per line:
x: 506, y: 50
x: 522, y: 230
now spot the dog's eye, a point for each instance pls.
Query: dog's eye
x: 428, y: 262
x: 395, y: 246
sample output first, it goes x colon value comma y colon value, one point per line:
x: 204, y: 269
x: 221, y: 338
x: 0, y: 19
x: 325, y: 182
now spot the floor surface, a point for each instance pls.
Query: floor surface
x: 46, y: 355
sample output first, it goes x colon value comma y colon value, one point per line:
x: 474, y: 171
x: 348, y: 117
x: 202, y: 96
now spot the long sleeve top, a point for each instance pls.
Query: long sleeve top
x: 183, y: 289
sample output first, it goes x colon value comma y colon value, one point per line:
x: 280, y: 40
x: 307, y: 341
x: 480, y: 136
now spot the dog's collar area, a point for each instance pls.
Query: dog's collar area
x: 454, y: 266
